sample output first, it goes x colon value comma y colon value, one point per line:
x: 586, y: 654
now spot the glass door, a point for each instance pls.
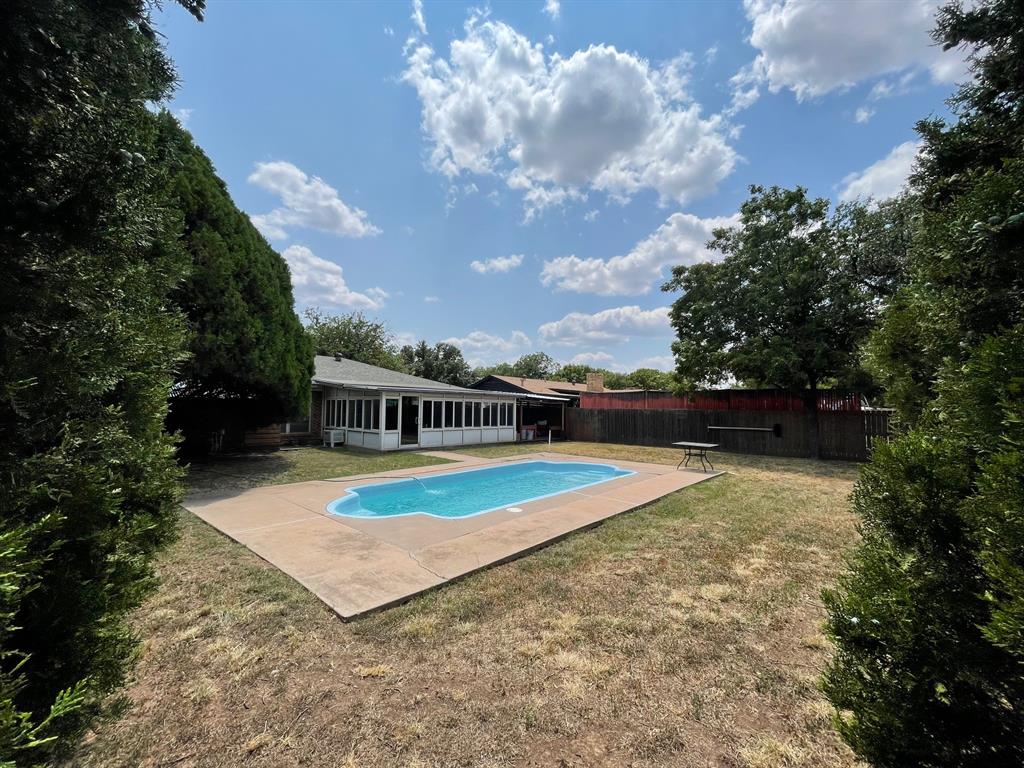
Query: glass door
x: 410, y: 420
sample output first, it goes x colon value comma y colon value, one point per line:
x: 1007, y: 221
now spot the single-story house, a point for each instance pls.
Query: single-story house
x: 386, y: 410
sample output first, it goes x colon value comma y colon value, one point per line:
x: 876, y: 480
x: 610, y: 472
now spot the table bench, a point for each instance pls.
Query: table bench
x: 775, y: 429
x: 700, y: 450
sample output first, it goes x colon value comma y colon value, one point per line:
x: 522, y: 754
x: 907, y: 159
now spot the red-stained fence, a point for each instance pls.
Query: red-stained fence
x: 829, y: 400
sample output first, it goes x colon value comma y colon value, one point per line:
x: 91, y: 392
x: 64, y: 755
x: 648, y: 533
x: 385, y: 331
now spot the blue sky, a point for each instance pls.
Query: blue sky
x: 519, y: 177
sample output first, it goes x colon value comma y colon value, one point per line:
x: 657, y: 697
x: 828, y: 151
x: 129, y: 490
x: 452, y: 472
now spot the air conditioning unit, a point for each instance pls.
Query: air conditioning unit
x: 333, y: 437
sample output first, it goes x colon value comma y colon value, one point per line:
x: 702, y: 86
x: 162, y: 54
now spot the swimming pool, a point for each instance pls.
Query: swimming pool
x: 472, y: 491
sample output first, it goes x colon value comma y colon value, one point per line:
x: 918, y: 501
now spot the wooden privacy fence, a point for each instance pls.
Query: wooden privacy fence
x: 841, y: 435
x: 723, y: 400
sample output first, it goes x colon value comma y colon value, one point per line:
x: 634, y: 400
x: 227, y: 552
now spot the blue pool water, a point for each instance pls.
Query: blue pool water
x: 472, y: 491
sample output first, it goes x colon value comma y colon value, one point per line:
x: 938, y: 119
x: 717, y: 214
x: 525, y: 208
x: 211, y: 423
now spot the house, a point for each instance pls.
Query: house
x: 542, y: 402
x: 386, y: 410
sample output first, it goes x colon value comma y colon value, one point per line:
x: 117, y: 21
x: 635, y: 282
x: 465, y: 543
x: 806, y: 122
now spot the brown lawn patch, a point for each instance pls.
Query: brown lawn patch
x: 686, y: 633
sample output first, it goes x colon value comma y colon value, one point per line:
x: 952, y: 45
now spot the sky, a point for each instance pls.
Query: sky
x: 520, y: 177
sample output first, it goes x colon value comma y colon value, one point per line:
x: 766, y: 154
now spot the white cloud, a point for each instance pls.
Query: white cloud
x: 552, y: 8
x: 498, y: 264
x: 812, y: 47
x: 417, y: 16
x: 680, y: 240
x: 897, y: 86
x: 863, y: 114
x: 389, y: 31
x: 558, y: 128
x: 319, y: 281
x: 884, y: 178
x: 591, y: 215
x: 184, y: 114
x: 607, y: 326
x: 746, y: 89
x: 658, y: 362
x: 406, y: 338
x: 482, y: 348
x: 307, y: 201
x: 597, y: 359
x: 431, y: 299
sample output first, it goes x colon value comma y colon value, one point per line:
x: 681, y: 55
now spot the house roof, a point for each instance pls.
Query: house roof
x: 538, y: 386
x: 547, y: 387
x: 350, y: 373
x: 544, y: 386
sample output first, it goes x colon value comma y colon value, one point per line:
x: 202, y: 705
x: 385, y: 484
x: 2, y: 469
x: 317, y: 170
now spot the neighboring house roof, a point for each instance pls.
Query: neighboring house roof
x: 541, y: 386
x: 544, y: 386
x: 350, y: 373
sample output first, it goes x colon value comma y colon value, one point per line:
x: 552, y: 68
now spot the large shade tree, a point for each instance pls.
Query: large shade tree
x: 535, y: 365
x: 353, y: 336
x: 928, y: 622
x: 442, y: 362
x: 250, y: 360
x: 88, y: 480
x: 780, y: 309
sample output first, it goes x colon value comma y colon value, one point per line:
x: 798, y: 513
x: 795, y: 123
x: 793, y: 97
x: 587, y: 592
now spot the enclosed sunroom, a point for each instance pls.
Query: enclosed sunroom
x: 380, y: 409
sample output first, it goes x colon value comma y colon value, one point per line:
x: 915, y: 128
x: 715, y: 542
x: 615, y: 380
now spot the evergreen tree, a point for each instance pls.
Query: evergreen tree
x: 251, y: 361
x: 928, y: 622
x: 88, y: 481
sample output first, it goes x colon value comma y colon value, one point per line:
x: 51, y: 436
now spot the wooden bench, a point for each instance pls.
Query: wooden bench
x: 775, y: 429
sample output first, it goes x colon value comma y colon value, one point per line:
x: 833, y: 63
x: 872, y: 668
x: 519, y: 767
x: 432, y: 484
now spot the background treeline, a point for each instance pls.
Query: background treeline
x: 130, y: 281
x: 369, y: 341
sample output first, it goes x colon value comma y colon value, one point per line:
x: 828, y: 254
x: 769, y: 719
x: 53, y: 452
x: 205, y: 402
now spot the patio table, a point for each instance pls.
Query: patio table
x: 700, y: 450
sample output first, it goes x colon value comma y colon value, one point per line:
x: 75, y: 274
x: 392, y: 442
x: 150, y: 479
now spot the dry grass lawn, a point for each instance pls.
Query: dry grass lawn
x: 295, y: 465
x: 683, y: 634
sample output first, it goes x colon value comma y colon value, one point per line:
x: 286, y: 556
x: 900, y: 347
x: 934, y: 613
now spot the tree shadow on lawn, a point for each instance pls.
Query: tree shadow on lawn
x: 232, y: 474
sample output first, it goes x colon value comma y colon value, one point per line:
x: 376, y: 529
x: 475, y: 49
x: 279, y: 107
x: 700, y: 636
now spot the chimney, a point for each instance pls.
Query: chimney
x: 595, y: 382
x: 337, y: 357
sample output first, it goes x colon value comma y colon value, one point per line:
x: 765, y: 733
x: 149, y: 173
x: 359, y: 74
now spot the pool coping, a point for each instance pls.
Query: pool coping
x: 360, y: 565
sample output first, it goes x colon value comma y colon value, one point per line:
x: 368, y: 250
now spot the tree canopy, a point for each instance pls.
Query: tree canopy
x: 353, y: 336
x: 874, y: 238
x: 781, y: 309
x: 442, y: 362
x: 536, y: 365
x: 250, y: 361
x: 88, y: 480
x: 650, y: 378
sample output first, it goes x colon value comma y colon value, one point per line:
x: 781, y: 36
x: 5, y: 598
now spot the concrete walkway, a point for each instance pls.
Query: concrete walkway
x: 357, y: 565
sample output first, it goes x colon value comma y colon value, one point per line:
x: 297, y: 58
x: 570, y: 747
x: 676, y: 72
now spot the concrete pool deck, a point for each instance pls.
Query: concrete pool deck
x: 358, y: 565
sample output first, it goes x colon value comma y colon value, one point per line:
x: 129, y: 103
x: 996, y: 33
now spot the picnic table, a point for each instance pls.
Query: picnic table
x: 700, y: 450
